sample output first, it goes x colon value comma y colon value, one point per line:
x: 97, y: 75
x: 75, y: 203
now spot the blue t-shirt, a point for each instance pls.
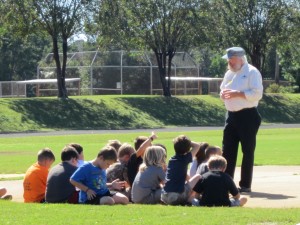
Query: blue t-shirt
x: 91, y: 176
x: 177, y: 172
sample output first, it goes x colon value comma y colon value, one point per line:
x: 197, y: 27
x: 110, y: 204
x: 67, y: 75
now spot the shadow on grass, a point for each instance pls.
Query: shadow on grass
x: 70, y: 114
x: 267, y: 195
x: 278, y: 108
x: 118, y: 112
x: 123, y: 112
x: 179, y: 111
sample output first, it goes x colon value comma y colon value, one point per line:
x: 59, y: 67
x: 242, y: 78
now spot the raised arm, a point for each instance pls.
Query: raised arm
x: 146, y: 144
x: 195, y: 148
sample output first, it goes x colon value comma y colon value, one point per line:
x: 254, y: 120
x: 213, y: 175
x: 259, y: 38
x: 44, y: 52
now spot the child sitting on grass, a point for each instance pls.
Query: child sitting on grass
x: 35, y: 179
x: 91, y: 180
x: 79, y: 149
x: 209, y: 151
x: 198, y: 159
x: 136, y: 159
x: 118, y: 170
x: 114, y: 143
x: 146, y: 188
x: 215, y: 186
x: 59, y: 189
x: 178, y: 191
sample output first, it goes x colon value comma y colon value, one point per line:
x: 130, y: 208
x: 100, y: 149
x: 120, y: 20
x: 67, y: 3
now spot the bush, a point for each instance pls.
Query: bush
x: 276, y: 88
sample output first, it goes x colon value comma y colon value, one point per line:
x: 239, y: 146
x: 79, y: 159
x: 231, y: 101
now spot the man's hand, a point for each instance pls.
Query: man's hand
x: 228, y: 94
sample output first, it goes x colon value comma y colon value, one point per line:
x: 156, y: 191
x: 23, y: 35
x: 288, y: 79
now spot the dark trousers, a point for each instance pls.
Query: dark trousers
x: 241, y: 127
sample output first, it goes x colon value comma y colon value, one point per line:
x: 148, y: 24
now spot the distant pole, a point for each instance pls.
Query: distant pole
x: 121, y: 72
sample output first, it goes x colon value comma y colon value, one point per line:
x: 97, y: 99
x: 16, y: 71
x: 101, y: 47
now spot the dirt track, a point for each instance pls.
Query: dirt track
x: 273, y: 187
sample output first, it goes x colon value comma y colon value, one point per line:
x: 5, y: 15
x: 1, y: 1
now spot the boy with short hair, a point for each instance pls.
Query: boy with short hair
x: 35, y: 179
x: 91, y: 180
x: 79, y: 149
x: 178, y: 191
x: 115, y: 143
x: 59, y: 189
x: 118, y: 170
x: 215, y: 185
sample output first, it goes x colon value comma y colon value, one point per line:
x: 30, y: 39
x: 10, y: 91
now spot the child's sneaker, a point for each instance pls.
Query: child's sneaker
x: 195, y: 202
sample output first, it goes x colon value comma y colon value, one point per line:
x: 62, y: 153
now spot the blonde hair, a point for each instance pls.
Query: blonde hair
x: 154, y: 156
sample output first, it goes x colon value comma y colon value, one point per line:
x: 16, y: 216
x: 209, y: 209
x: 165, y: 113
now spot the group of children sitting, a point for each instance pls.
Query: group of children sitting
x: 121, y: 174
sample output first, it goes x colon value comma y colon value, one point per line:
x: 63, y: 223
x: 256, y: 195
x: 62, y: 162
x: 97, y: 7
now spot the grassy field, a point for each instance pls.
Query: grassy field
x: 132, y: 112
x: 274, y: 147
x: 18, y: 153
x: 18, y: 213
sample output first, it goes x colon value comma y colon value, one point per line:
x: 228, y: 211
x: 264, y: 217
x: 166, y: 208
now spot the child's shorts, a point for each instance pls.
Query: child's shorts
x: 96, y: 199
x: 175, y: 198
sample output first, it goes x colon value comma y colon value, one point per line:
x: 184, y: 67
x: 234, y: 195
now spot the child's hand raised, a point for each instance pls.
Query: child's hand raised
x: 153, y: 136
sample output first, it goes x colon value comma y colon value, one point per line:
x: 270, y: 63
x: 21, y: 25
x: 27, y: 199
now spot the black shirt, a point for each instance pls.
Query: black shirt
x: 133, y: 167
x: 215, y: 187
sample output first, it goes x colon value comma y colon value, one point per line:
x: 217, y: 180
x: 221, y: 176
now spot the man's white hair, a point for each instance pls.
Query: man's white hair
x: 244, y: 58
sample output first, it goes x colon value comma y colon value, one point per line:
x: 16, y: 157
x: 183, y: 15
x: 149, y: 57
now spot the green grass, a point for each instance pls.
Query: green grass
x: 274, y: 146
x: 18, y: 213
x: 132, y: 112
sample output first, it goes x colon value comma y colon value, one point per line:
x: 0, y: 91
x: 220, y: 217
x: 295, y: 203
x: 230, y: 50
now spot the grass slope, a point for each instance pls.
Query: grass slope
x: 132, y: 112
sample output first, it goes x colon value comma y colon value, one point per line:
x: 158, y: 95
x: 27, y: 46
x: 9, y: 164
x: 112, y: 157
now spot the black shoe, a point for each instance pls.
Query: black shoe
x: 244, y: 189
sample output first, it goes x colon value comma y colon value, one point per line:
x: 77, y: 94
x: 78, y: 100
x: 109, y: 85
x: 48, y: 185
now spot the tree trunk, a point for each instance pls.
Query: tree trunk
x: 63, y: 71
x: 59, y: 75
x: 171, y: 54
x: 277, y: 69
x: 161, y: 62
x: 255, y: 56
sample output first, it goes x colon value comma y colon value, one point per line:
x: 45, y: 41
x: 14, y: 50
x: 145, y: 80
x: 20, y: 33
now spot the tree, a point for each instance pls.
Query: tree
x: 289, y: 50
x: 160, y: 26
x: 251, y: 24
x: 58, y: 18
x: 19, y: 56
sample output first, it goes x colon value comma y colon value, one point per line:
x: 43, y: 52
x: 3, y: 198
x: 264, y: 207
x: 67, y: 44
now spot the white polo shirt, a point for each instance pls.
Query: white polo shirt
x: 247, y: 80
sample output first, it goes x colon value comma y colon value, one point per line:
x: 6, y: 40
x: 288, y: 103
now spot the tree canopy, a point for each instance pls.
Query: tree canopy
x: 58, y: 18
x: 160, y: 26
x: 263, y: 28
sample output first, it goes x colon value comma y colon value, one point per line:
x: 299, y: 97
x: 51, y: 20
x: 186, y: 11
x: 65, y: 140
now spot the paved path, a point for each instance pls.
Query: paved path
x: 273, y: 187
x: 168, y: 129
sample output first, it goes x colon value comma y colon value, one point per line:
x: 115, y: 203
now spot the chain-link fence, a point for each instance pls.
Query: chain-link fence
x: 120, y: 72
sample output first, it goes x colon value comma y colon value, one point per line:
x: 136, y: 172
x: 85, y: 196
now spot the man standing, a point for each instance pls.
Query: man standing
x: 241, y: 91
